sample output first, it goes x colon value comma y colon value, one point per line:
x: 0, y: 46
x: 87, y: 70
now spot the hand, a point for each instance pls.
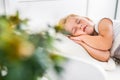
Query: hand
x: 77, y: 38
x: 78, y: 42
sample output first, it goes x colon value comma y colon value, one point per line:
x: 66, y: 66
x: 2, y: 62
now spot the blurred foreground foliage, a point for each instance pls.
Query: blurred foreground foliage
x: 25, y: 56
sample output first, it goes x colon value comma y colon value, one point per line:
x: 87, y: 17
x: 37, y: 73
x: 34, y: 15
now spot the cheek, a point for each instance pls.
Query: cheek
x: 67, y: 29
x: 89, y: 31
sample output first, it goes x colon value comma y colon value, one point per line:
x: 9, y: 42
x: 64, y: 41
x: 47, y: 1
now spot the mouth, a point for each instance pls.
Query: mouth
x: 84, y: 28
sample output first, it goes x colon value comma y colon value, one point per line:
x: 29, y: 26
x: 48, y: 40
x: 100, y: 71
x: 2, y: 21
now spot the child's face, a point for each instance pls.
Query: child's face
x: 79, y: 25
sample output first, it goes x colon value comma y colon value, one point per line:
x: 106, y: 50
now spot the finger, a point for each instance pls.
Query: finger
x: 75, y: 38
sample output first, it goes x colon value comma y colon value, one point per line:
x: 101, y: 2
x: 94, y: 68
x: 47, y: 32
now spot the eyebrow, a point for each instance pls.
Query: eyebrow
x: 76, y: 20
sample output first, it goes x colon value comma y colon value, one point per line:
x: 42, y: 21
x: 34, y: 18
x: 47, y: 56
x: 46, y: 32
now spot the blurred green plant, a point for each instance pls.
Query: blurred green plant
x: 25, y: 56
x: 60, y: 29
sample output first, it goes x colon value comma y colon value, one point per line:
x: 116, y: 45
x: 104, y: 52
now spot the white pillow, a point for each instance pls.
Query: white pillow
x: 70, y: 49
x: 116, y: 43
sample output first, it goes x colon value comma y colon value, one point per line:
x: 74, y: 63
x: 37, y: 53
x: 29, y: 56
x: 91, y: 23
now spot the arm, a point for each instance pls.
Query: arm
x: 104, y: 40
x: 97, y: 54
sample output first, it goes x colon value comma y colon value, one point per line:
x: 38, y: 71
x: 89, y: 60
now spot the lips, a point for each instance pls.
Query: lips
x: 84, y: 28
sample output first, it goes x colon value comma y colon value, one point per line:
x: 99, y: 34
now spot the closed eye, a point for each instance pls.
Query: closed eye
x: 78, y: 21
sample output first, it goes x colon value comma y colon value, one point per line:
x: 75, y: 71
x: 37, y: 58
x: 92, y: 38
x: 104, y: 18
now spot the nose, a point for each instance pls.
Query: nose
x: 80, y: 26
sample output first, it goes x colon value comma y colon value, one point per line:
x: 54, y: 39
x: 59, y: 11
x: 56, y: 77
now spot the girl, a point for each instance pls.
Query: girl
x: 97, y: 39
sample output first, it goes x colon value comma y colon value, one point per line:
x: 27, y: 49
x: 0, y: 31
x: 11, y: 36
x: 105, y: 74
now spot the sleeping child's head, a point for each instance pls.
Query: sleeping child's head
x: 77, y: 25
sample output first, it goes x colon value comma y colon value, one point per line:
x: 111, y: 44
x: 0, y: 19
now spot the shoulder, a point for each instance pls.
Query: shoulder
x: 106, y: 21
x: 105, y: 26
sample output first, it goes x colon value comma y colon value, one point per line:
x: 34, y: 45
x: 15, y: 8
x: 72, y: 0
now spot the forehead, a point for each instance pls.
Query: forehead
x: 70, y: 19
x: 73, y: 19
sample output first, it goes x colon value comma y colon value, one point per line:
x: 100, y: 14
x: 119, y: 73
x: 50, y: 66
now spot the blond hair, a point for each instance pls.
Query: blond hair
x: 62, y: 21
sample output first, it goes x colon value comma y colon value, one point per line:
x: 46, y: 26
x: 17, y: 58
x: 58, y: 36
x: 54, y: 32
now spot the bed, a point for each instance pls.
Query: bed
x: 95, y: 70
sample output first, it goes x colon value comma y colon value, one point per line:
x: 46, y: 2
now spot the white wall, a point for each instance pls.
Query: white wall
x: 1, y: 7
x: 101, y: 8
x: 42, y: 12
x: 46, y: 11
x: 118, y: 11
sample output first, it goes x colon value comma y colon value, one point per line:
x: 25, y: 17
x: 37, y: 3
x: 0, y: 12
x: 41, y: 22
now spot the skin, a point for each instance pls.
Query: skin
x: 82, y: 32
x: 79, y: 25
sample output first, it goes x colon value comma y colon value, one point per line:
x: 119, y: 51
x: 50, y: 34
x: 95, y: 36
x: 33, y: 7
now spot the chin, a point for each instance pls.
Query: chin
x: 92, y: 33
